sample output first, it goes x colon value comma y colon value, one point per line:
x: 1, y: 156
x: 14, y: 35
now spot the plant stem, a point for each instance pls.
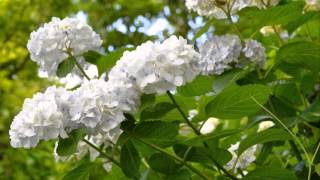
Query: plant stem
x: 292, y: 134
x: 102, y: 153
x: 196, y: 171
x: 81, y: 69
x: 315, y: 153
x: 78, y: 65
x: 182, y: 114
x: 197, y: 132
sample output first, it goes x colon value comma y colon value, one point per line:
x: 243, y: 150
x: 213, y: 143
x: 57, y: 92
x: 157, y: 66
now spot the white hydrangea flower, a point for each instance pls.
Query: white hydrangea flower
x: 218, y: 53
x: 255, y: 52
x: 268, y: 30
x: 105, y: 140
x: 312, y: 5
x: 218, y: 8
x: 99, y: 105
x: 244, y: 160
x: 192, y: 113
x: 209, y: 126
x: 49, y: 44
x: 264, y: 125
x: 202, y: 7
x: 157, y: 68
x: 42, y: 118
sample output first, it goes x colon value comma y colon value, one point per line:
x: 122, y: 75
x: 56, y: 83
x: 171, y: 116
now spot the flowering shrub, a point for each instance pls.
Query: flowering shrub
x: 252, y: 97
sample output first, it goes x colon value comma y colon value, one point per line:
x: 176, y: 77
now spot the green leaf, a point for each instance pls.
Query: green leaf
x: 157, y: 132
x: 226, y: 79
x: 109, y: 60
x: 65, y: 67
x: 92, y: 56
x: 81, y: 172
x: 203, y: 155
x: 272, y: 16
x: 266, y: 136
x: 164, y: 164
x: 199, y: 86
x: 147, y: 100
x: 182, y: 174
x: 129, y: 160
x: 292, y: 26
x: 156, y: 111
x: 270, y: 173
x: 236, y: 102
x: 202, y: 30
x: 196, y: 141
x: 303, y: 54
x: 69, y: 145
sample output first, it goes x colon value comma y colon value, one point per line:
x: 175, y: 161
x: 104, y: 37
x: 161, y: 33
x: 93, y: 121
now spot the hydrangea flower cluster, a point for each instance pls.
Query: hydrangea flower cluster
x: 244, y: 160
x: 57, y: 40
x: 223, y: 52
x: 157, y: 68
x: 220, y: 8
x: 41, y: 118
x: 98, y: 105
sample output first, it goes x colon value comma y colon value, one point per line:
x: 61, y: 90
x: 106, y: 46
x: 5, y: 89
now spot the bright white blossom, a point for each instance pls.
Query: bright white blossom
x: 244, y: 160
x: 219, y: 53
x: 95, y: 108
x: 218, y: 8
x: 224, y: 52
x: 312, y: 5
x: 269, y: 30
x: 99, y: 105
x: 209, y: 126
x: 255, y: 52
x: 42, y: 118
x: 264, y: 125
x: 49, y: 44
x: 158, y: 67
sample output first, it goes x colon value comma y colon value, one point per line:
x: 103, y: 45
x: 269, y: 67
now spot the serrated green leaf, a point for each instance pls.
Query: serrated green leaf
x: 236, y: 102
x: 270, y: 173
x: 266, y: 136
x: 304, y: 54
x: 156, y: 111
x: 92, y: 56
x: 276, y: 15
x: 69, y: 145
x: 164, y: 164
x: 109, y: 60
x: 65, y: 67
x: 202, y: 30
x: 129, y: 160
x: 181, y: 174
x: 157, y: 132
x: 196, y: 141
x: 203, y: 155
x: 199, y: 86
x: 81, y: 172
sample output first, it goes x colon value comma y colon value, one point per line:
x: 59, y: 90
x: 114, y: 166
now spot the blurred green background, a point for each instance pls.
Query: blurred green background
x: 119, y: 22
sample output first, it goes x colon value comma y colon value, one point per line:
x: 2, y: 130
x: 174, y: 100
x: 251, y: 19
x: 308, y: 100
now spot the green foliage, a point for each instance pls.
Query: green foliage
x: 163, y: 164
x: 129, y: 160
x: 65, y: 67
x: 157, y: 142
x: 199, y: 86
x: 266, y: 136
x: 303, y: 54
x: 81, y: 172
x: 236, y: 102
x: 68, y: 146
x: 265, y: 173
